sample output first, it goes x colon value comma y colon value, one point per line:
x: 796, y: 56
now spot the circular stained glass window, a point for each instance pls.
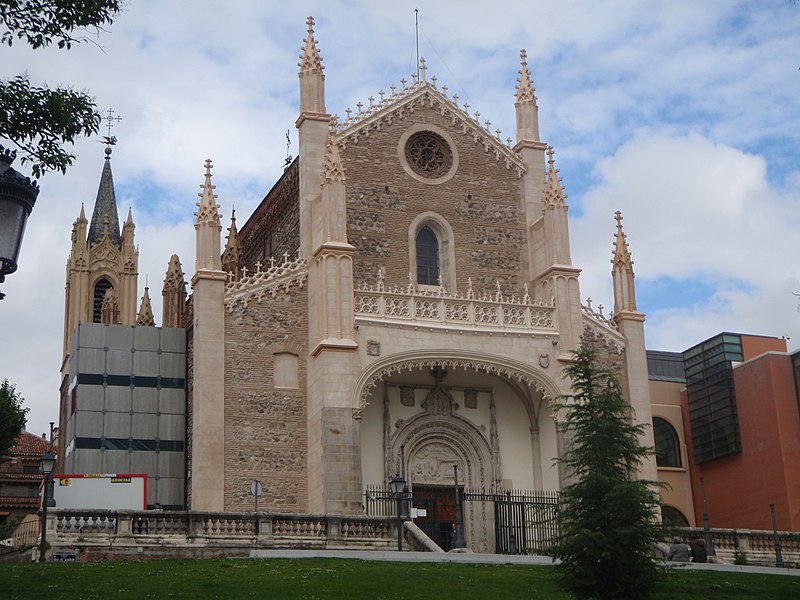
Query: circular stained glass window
x: 428, y: 154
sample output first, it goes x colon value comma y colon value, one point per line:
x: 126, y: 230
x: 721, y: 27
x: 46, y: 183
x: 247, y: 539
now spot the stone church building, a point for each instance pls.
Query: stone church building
x: 403, y: 300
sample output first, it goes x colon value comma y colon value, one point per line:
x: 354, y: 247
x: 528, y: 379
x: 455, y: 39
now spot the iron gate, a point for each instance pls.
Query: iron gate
x: 525, y: 522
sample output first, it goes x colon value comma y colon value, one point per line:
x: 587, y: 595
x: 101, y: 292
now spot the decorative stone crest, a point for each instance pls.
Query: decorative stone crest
x: 373, y: 348
x: 544, y: 360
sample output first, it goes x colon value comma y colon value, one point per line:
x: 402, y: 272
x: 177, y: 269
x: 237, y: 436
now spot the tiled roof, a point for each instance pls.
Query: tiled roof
x: 30, y: 445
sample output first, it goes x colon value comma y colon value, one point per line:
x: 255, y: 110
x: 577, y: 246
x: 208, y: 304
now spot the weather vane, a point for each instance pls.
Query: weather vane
x: 288, y: 148
x: 110, y: 140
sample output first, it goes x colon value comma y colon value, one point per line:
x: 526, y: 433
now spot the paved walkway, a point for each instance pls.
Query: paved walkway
x: 497, y: 559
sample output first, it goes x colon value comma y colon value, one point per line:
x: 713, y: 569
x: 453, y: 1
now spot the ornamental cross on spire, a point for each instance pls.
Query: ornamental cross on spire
x: 423, y: 68
x: 110, y: 140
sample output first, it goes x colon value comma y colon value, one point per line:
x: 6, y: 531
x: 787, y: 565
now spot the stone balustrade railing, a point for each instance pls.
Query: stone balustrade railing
x: 452, y: 311
x: 755, y: 547
x: 67, y: 528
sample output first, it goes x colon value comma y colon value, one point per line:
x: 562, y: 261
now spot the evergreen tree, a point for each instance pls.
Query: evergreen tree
x: 608, y: 520
x: 12, y: 417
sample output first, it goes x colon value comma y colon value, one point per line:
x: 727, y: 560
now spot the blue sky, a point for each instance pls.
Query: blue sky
x: 681, y: 114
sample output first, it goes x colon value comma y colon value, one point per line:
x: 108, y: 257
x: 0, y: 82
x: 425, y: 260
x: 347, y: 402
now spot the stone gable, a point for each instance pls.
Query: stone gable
x: 481, y: 202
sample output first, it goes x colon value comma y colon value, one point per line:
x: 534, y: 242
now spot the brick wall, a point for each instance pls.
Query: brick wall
x: 482, y: 203
x: 265, y: 426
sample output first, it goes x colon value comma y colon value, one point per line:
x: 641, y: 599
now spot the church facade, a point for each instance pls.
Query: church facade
x: 402, y: 301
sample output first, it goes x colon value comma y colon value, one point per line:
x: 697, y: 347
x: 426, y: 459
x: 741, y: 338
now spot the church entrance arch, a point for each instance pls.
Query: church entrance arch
x: 425, y: 415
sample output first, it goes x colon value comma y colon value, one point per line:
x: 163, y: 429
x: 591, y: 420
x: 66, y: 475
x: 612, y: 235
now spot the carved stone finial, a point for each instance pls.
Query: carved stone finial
x: 525, y: 91
x: 310, y: 60
x: 423, y: 68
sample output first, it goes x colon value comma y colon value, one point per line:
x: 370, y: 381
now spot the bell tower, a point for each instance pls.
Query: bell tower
x: 103, y: 264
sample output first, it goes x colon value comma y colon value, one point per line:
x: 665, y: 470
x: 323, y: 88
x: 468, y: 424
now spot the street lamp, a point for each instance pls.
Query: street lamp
x: 45, y: 466
x: 399, y: 489
x: 17, y: 196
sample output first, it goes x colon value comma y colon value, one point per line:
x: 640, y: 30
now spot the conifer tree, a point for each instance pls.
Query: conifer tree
x: 608, y: 520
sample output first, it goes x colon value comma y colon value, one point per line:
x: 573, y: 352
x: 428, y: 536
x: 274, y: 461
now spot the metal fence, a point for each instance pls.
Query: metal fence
x: 525, y: 521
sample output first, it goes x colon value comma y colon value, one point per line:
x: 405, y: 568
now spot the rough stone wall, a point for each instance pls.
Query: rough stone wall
x: 482, y: 203
x: 274, y: 227
x: 265, y: 426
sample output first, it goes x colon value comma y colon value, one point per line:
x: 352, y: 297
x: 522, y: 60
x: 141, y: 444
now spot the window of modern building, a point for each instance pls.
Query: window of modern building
x: 668, y: 449
x: 427, y: 257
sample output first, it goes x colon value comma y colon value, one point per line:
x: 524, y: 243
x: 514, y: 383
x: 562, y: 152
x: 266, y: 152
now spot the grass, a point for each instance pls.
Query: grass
x: 346, y: 579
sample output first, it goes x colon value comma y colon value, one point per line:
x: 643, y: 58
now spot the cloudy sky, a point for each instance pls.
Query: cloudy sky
x: 684, y: 115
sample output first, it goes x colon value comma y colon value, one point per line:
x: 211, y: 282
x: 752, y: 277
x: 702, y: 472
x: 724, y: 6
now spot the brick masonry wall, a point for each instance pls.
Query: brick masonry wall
x: 274, y: 227
x: 265, y: 426
x: 482, y: 203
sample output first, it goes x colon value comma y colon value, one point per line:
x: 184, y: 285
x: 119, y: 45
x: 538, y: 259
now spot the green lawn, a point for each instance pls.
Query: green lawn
x: 346, y: 579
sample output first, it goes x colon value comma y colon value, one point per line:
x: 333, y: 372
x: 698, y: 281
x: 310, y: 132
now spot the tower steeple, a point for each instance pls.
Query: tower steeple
x: 312, y: 79
x: 526, y: 108
x: 105, y: 207
x: 555, y: 214
x: 208, y: 226
x: 622, y: 272
x: 630, y: 323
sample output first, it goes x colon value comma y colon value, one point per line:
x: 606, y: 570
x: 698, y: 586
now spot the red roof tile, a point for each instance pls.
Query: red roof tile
x: 30, y: 444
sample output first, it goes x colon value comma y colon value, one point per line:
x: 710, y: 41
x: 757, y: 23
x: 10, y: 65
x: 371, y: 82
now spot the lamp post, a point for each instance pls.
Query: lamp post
x: 17, y: 196
x: 45, y: 466
x: 706, y: 528
x: 399, y: 488
x: 778, y: 550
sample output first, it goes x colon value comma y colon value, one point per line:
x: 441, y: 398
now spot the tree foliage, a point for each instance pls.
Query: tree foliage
x: 608, y: 521
x: 12, y: 417
x: 40, y: 120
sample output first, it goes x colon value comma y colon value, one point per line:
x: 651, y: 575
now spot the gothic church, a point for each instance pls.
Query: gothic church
x: 402, y: 301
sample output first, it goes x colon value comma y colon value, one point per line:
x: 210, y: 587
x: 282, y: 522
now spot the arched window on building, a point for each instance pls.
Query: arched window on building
x: 431, y: 250
x: 427, y: 257
x: 668, y: 449
x: 672, y: 516
x: 100, y: 289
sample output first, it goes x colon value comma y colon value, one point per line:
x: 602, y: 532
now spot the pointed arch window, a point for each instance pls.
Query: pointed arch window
x: 427, y: 257
x: 100, y: 289
x: 668, y: 450
x: 432, y: 251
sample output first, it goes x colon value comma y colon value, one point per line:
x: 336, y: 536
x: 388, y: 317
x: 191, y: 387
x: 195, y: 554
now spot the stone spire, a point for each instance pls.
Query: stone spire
x: 622, y: 272
x: 146, y: 318
x: 105, y: 207
x: 208, y: 226
x: 174, y: 295
x: 334, y: 204
x: 555, y: 216
x: 553, y: 190
x: 332, y: 167
x: 233, y: 251
x: 526, y: 108
x: 312, y: 79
